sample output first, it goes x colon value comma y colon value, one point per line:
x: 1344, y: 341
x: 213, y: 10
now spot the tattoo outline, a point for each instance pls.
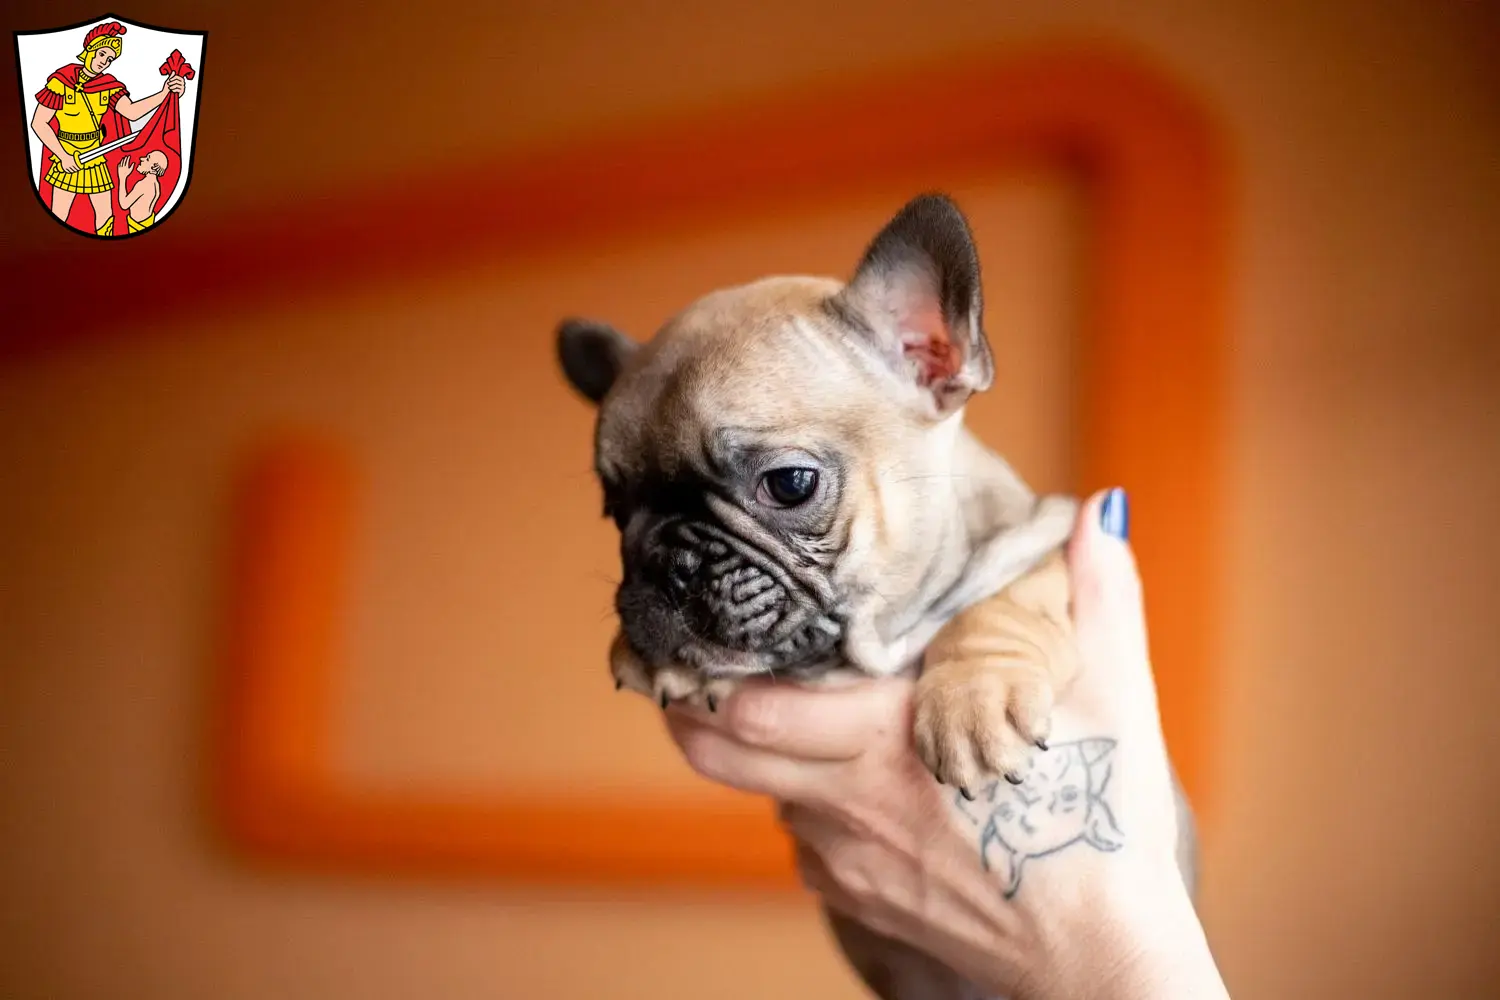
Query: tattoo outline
x: 1058, y: 803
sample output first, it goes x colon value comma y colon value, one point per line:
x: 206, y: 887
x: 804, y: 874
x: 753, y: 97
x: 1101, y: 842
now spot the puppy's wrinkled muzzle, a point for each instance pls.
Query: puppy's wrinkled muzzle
x: 694, y: 591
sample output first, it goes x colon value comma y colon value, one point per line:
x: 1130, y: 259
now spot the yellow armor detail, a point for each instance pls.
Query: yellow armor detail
x: 80, y: 129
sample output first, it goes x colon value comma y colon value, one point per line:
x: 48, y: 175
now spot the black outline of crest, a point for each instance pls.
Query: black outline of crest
x: 26, y: 95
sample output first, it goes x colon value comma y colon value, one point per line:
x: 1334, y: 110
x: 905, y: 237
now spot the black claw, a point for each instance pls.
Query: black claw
x: 1012, y: 777
x: 1041, y: 745
x: 966, y: 794
x: 664, y: 699
x: 619, y: 683
x: 713, y: 703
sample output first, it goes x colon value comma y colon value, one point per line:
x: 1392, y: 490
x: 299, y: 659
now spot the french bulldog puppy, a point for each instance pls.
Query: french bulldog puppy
x: 797, y: 497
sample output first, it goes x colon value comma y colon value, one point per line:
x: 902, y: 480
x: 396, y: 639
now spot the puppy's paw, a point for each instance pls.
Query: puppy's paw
x: 629, y: 671
x: 664, y: 685
x: 976, y: 722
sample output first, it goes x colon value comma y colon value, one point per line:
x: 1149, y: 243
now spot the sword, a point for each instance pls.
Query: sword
x: 101, y: 150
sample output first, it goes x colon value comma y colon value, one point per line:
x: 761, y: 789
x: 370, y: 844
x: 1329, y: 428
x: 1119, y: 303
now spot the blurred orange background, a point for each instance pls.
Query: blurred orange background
x: 1353, y: 762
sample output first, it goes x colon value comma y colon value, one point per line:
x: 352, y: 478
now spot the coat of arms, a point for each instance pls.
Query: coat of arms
x: 110, y: 108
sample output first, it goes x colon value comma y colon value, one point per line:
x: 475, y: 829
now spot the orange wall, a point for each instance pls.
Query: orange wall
x: 1357, y: 771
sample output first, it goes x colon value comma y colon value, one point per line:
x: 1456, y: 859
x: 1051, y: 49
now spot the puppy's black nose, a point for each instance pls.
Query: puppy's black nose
x: 652, y: 626
x: 681, y: 570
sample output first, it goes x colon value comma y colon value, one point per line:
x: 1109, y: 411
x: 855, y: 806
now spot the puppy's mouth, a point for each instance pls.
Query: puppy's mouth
x: 704, y: 597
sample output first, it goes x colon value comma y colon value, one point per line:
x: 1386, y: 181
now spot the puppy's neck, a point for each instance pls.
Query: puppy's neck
x: 981, y: 499
x: 986, y: 498
x: 990, y: 496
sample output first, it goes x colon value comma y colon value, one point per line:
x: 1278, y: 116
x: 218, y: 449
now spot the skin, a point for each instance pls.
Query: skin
x: 41, y: 119
x: 897, y: 857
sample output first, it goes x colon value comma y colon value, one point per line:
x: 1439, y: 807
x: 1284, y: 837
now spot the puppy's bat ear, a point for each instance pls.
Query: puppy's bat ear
x: 592, y: 354
x: 917, y: 293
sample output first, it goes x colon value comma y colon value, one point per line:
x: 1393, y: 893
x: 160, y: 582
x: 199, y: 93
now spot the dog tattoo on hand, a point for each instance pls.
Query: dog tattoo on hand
x: 1059, y: 803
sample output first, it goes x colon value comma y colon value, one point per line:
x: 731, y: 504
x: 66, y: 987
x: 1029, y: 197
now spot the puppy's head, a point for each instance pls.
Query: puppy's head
x: 776, y: 457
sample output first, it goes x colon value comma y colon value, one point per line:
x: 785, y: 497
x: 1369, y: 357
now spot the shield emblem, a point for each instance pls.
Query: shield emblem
x: 109, y: 114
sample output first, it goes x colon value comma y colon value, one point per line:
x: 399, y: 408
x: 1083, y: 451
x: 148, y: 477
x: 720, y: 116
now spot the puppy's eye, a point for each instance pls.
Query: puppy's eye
x: 788, y: 487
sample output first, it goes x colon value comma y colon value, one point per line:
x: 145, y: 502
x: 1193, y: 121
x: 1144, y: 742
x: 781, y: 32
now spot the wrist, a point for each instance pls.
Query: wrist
x: 1145, y: 944
x: 1162, y: 954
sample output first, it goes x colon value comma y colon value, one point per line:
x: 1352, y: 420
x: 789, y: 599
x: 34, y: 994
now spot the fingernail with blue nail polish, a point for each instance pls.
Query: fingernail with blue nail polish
x: 1115, y: 514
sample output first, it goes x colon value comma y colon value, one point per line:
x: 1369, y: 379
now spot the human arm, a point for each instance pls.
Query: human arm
x: 1103, y: 910
x: 135, y: 110
x: 41, y: 124
x: 129, y: 198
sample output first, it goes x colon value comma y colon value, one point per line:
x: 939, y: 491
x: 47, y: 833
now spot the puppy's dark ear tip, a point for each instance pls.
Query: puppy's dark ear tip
x: 570, y: 335
x: 936, y: 208
x: 591, y: 354
x: 572, y: 326
x: 934, y: 199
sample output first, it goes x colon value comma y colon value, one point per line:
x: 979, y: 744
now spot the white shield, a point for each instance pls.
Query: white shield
x: 128, y: 165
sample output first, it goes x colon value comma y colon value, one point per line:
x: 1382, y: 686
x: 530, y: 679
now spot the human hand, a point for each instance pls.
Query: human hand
x: 175, y: 84
x: 125, y: 165
x: 66, y: 161
x: 1092, y: 828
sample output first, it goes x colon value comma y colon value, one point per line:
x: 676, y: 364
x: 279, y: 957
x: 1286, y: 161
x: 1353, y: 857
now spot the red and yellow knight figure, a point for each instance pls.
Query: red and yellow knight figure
x: 81, y: 108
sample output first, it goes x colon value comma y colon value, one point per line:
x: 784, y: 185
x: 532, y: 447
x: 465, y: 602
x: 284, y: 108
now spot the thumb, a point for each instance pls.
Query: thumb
x: 1108, y: 613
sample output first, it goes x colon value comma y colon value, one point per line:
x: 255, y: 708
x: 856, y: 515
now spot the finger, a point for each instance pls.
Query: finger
x: 810, y: 868
x: 814, y: 837
x: 814, y: 873
x: 825, y: 724
x: 845, y: 882
x: 1109, y: 618
x: 1107, y: 584
x: 836, y: 900
x: 809, y: 826
x: 718, y: 756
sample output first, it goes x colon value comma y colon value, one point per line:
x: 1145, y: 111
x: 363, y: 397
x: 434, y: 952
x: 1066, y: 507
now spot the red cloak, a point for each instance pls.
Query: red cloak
x: 81, y: 215
x: 163, y: 131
